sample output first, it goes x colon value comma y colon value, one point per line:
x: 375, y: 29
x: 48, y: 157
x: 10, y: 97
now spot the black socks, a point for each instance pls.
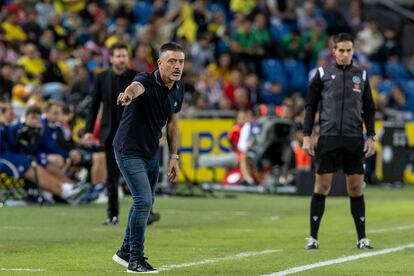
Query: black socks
x: 358, y: 213
x: 316, y: 212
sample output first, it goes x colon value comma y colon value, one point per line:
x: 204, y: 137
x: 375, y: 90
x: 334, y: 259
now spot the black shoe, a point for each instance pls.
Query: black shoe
x: 364, y: 244
x: 121, y: 258
x: 153, y: 217
x: 111, y: 221
x: 140, y: 266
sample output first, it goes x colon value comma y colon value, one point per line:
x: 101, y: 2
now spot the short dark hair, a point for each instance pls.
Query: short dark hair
x: 67, y: 109
x: 170, y: 46
x: 33, y: 109
x: 116, y: 46
x: 341, y: 37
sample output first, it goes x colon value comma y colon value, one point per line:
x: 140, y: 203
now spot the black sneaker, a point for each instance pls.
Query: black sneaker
x: 111, y: 221
x: 140, y: 266
x: 364, y: 244
x: 121, y: 258
x: 312, y: 244
x: 153, y: 217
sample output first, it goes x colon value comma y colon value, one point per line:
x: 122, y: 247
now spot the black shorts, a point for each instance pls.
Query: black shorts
x: 334, y: 152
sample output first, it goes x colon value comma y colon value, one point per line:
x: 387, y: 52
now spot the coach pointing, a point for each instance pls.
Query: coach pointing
x: 151, y: 101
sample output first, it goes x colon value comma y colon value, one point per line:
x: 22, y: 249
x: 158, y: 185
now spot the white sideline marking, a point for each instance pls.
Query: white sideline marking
x: 217, y: 260
x: 398, y: 228
x: 340, y: 260
x: 22, y: 269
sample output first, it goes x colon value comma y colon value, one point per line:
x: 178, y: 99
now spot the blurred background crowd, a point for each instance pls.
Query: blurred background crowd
x: 240, y: 54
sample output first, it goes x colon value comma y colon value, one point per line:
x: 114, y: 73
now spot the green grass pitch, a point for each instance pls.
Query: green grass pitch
x: 206, y: 236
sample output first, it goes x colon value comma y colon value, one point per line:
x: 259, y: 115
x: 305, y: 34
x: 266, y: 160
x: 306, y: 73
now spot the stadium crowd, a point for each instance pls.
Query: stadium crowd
x: 240, y: 54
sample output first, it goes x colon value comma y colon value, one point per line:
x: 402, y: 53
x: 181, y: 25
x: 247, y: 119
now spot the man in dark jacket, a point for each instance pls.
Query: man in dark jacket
x: 107, y: 86
x: 344, y: 97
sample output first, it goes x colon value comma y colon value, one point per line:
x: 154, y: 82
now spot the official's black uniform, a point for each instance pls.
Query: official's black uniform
x: 344, y: 98
x: 106, y: 89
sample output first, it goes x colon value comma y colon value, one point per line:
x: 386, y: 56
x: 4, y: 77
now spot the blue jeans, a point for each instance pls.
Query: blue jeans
x: 141, y: 175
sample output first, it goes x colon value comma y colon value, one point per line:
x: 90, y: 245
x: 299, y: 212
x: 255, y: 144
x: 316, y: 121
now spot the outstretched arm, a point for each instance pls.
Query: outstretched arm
x: 133, y: 90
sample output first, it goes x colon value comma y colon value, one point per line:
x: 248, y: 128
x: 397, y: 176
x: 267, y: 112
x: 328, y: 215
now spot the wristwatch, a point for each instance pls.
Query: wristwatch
x: 174, y: 156
x: 372, y: 137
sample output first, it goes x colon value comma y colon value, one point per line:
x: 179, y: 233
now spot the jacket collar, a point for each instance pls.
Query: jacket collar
x: 342, y: 67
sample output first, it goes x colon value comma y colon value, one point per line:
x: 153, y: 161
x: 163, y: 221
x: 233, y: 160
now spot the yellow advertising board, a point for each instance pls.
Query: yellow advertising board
x: 202, y: 136
x: 409, y: 169
x: 408, y: 177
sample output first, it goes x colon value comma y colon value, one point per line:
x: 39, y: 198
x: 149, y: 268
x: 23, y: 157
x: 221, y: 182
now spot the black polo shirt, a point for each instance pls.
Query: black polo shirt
x: 140, y: 128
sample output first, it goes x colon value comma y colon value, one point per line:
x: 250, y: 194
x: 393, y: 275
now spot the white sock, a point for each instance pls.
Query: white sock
x: 66, y: 189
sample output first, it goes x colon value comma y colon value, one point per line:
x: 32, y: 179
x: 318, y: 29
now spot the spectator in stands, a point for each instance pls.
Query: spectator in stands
x: 46, y: 43
x: 355, y: 16
x: 160, y: 28
x: 272, y: 93
x: 144, y: 58
x: 119, y: 33
x: 12, y: 30
x: 335, y: 20
x: 52, y: 78
x: 242, y: 6
x: 397, y: 99
x: 284, y: 10
x: 261, y: 34
x: 6, y: 84
x: 307, y: 14
x: 241, y: 99
x: 80, y: 90
x: 221, y: 70
x: 231, y: 86
x: 31, y: 27
x: 251, y: 82
x: 44, y: 8
x: 371, y: 38
x: 31, y: 61
x: 8, y: 113
x: 202, y: 53
x: 293, y: 46
x: 374, y: 81
x: 360, y: 58
x: 315, y: 40
x: 391, y: 47
x: 201, y: 16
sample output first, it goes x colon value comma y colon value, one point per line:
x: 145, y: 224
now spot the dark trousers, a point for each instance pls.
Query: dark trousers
x: 141, y: 175
x: 112, y: 182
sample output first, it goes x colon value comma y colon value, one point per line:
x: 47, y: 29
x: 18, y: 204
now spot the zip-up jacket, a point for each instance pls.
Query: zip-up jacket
x: 345, y: 101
